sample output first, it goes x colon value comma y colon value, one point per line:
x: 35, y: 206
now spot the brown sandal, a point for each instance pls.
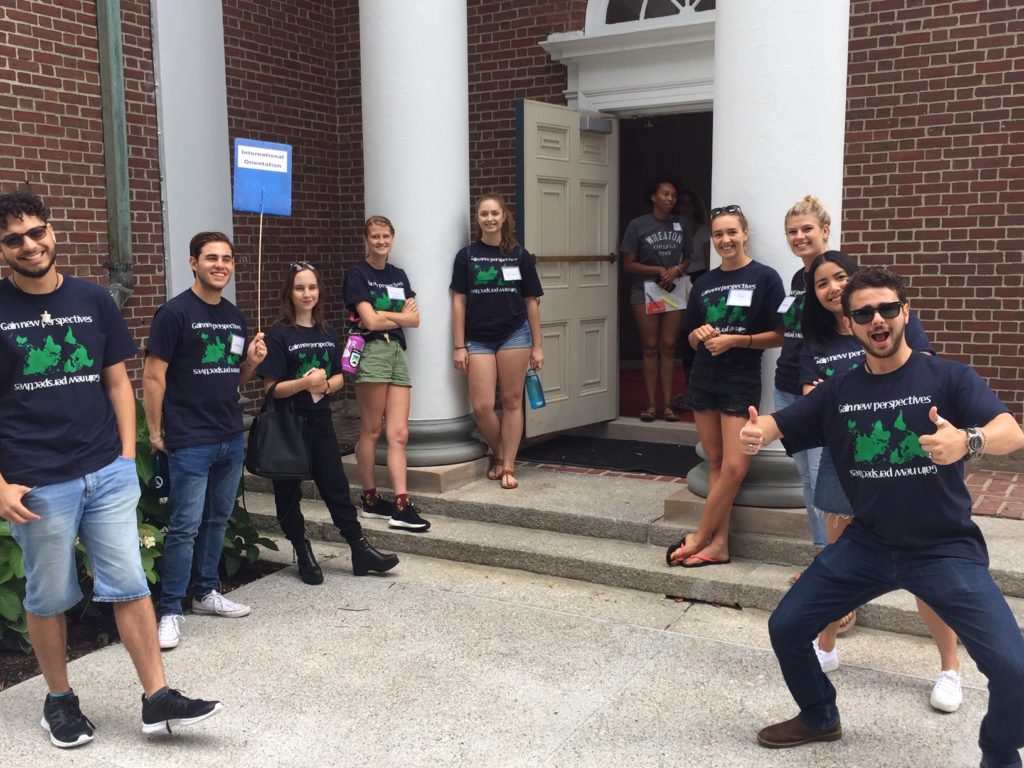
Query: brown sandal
x: 669, y: 415
x: 508, y: 480
x: 494, y: 473
x: 649, y: 413
x: 848, y: 622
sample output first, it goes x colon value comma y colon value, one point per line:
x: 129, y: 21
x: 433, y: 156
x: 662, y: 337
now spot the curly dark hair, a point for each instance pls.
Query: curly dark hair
x: 657, y: 181
x: 22, y: 203
x: 874, y: 277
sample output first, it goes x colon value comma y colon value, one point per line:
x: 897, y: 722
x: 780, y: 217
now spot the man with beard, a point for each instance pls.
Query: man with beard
x: 196, y: 358
x: 67, y: 467
x: 899, y: 429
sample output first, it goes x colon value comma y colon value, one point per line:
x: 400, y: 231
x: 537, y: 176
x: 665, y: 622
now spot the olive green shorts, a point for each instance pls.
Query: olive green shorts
x: 384, y: 362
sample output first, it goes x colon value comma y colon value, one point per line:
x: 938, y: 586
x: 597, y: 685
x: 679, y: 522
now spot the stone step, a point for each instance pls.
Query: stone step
x: 613, y: 562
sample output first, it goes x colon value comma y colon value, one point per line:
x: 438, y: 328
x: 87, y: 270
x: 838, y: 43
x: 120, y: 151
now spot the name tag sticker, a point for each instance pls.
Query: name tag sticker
x: 396, y: 293
x: 677, y: 226
x: 237, y: 344
x: 786, y: 303
x: 511, y: 273
x: 740, y: 297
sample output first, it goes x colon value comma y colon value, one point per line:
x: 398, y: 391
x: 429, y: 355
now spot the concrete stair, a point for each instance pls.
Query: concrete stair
x: 614, y: 531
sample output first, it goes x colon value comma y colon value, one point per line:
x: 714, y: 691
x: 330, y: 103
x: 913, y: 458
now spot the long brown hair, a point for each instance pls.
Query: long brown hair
x: 508, y: 224
x: 287, y: 313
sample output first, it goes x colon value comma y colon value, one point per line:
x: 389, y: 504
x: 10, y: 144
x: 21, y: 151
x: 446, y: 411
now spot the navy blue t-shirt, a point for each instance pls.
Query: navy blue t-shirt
x: 656, y: 242
x: 871, y: 423
x: 203, y: 346
x: 292, y: 350
x: 56, y: 419
x: 741, y: 301
x: 791, y: 310
x: 495, y: 286
x: 380, y: 287
x: 846, y: 353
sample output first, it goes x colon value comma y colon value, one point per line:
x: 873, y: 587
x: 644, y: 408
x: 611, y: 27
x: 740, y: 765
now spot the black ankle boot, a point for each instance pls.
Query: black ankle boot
x: 309, y: 571
x: 365, y: 558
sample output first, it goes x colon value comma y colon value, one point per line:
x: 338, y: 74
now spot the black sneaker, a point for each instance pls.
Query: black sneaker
x: 408, y: 518
x: 64, y: 721
x: 382, y: 510
x: 169, y: 708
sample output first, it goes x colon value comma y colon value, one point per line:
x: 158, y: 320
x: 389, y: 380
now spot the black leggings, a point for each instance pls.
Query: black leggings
x: 330, y: 481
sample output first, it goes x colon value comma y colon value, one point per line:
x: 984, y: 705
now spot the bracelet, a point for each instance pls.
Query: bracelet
x: 750, y: 340
x: 456, y: 349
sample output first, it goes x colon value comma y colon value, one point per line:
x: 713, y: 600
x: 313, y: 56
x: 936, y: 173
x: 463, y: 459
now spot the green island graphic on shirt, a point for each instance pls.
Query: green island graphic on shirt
x: 47, y: 359
x: 876, y: 446
x: 791, y: 317
x: 383, y: 303
x: 308, y: 362
x: 720, y: 310
x: 484, y: 276
x: 215, y: 351
x: 830, y: 371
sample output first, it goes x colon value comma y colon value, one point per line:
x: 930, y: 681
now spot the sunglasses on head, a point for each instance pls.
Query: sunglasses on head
x: 725, y: 209
x: 300, y: 265
x: 16, y: 241
x: 865, y: 315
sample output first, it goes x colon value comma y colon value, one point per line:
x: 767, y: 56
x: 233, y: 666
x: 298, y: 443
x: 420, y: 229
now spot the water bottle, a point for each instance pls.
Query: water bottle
x: 353, y: 353
x: 534, y: 390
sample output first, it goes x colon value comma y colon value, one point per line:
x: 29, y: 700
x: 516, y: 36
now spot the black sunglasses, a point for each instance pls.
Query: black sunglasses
x: 865, y: 315
x: 725, y: 209
x: 16, y: 241
x: 300, y: 265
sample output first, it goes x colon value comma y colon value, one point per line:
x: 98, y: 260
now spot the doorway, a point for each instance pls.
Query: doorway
x: 651, y: 145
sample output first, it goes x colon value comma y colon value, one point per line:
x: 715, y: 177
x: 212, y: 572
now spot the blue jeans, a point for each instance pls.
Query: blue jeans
x: 848, y: 574
x: 100, y: 508
x: 204, y: 483
x: 807, y: 465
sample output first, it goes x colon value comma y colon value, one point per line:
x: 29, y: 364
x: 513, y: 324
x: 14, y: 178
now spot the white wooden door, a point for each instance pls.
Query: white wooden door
x: 569, y: 199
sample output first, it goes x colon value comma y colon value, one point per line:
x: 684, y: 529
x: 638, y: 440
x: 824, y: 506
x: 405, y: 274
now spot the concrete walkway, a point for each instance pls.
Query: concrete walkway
x: 451, y: 664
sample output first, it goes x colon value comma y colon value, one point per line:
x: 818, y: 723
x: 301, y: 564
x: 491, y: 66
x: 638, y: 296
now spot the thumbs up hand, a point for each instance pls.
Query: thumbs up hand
x: 947, y: 444
x: 752, y: 434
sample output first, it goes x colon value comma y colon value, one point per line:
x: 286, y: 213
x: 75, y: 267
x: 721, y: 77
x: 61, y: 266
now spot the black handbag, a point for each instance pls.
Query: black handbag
x: 279, y: 442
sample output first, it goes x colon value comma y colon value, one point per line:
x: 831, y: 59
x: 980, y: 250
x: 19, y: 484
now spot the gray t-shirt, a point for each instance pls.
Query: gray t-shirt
x: 656, y: 243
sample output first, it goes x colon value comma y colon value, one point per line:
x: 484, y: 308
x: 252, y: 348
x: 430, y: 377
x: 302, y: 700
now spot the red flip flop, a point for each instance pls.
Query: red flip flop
x: 704, y: 561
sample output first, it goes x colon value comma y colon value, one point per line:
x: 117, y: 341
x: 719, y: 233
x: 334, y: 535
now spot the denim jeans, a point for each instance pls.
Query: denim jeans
x: 848, y: 574
x: 807, y: 465
x: 204, y: 482
x: 100, y: 508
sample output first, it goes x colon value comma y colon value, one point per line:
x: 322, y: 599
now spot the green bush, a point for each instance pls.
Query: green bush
x: 242, y: 544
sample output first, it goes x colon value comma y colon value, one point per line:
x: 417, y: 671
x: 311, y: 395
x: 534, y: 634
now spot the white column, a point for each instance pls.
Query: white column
x: 779, y: 134
x: 415, y: 86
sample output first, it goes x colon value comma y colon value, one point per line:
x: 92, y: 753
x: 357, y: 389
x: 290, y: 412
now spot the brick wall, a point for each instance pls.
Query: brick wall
x: 51, y: 136
x: 934, y: 179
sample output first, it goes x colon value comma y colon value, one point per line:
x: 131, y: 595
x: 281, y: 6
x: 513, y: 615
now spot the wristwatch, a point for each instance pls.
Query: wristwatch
x: 975, y: 443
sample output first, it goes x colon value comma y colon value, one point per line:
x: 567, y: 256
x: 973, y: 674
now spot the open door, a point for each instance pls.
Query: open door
x: 568, y: 214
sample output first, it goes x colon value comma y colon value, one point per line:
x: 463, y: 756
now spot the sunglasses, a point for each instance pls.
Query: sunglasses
x: 16, y: 241
x: 725, y: 209
x: 300, y: 265
x: 865, y: 315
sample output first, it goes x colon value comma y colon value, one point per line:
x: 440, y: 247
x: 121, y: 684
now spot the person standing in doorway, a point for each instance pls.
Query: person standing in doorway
x: 657, y: 248
x: 496, y: 329
x: 67, y: 468
x: 196, y: 358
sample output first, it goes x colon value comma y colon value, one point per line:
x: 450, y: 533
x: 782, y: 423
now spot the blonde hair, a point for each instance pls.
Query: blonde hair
x: 811, y: 205
x: 378, y: 221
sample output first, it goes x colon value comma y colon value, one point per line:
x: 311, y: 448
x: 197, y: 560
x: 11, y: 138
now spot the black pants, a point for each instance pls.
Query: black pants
x: 330, y: 481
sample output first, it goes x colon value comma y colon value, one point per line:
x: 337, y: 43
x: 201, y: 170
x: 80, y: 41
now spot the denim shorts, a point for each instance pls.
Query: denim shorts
x: 384, y: 362
x: 829, y: 495
x: 99, y: 508
x: 520, y: 338
x: 731, y: 393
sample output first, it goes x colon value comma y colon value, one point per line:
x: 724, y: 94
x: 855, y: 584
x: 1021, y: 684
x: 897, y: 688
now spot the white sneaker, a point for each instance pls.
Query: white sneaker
x: 216, y: 604
x: 829, y: 660
x: 947, y: 693
x: 169, y: 630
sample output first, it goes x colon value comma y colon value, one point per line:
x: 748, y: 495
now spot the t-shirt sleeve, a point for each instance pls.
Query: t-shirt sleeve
x: 275, y: 364
x: 530, y: 285
x: 164, y: 334
x: 630, y: 240
x: 772, y: 294
x: 119, y: 345
x: 809, y: 372
x: 801, y: 423
x: 460, y: 282
x: 976, y: 404
x: 409, y: 292
x: 694, y: 317
x: 355, y: 289
x: 917, y: 339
